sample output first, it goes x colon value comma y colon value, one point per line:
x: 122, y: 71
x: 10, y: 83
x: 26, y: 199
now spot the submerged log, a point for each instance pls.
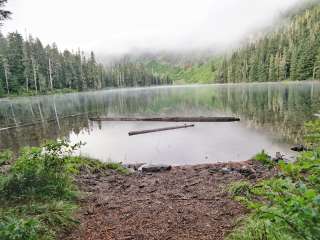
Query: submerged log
x: 168, y: 119
x: 159, y: 130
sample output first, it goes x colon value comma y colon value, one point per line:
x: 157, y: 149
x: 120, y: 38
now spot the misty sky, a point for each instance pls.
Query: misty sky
x: 117, y: 26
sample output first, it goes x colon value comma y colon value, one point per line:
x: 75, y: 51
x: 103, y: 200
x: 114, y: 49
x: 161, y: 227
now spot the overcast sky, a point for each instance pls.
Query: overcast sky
x: 116, y: 26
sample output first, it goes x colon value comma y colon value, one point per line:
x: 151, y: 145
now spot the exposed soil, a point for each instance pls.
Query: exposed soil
x: 189, y: 202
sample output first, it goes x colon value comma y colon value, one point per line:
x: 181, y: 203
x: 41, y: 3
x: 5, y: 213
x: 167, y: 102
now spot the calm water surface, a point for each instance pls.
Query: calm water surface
x: 272, y: 117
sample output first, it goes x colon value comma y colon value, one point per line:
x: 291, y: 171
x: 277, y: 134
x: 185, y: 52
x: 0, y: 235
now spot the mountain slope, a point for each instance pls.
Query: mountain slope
x: 291, y: 52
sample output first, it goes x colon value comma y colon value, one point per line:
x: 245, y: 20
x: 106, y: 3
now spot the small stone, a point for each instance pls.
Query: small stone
x: 131, y: 170
x: 279, y: 157
x: 134, y: 166
x: 299, y: 148
x: 226, y: 170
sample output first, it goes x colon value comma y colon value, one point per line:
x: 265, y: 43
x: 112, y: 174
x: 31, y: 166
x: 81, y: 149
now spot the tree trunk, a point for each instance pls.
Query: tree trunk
x: 50, y: 75
x: 159, y: 130
x: 169, y: 119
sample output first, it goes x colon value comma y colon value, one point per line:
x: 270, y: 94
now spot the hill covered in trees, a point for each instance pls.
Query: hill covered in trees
x: 26, y: 66
x: 291, y: 52
x: 183, y: 67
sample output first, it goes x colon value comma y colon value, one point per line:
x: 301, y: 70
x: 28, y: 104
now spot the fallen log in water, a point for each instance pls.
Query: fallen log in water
x: 168, y: 119
x: 159, y: 130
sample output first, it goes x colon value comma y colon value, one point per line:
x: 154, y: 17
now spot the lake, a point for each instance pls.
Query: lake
x: 272, y: 117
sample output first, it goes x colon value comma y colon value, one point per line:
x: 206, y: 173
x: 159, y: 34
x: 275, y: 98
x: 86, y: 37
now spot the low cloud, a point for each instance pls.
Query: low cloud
x: 119, y: 26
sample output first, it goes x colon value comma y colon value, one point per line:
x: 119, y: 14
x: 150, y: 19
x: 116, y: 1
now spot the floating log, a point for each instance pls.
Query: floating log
x: 168, y: 119
x: 159, y: 129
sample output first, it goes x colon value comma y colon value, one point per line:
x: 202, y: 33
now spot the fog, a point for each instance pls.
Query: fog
x: 119, y: 26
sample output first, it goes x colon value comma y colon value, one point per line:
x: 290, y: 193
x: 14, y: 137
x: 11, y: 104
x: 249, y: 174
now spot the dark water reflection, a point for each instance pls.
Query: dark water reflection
x: 272, y: 117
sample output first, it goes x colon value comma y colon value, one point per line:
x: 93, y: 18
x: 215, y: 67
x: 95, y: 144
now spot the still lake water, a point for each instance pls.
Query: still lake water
x: 272, y: 117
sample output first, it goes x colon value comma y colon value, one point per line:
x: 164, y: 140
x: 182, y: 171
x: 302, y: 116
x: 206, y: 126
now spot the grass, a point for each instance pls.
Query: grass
x: 264, y: 158
x: 38, y: 194
x: 286, y: 207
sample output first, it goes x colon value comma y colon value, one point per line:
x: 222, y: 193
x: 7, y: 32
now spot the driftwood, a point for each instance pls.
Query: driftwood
x: 168, y: 119
x: 159, y: 130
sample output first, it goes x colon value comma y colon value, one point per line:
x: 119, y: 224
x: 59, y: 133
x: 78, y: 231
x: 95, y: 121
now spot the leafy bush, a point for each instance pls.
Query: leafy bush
x: 42, y: 172
x: 38, y: 193
x: 13, y: 228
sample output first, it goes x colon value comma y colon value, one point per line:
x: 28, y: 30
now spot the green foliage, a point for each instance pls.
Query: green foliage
x: 240, y: 189
x: 117, y: 167
x: 285, y: 207
x: 77, y: 164
x: 264, y: 158
x: 38, y: 194
x: 12, y: 228
x: 40, y: 172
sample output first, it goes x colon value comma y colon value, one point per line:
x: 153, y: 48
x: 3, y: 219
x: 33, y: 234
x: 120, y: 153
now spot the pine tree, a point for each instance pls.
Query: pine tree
x: 272, y: 69
x: 15, y: 57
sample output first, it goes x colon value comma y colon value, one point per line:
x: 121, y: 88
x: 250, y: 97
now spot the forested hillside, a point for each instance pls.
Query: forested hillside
x: 292, y: 52
x: 26, y: 66
x: 181, y: 67
x: 203, y: 72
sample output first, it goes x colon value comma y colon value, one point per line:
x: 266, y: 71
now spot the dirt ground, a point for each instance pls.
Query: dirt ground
x: 189, y: 202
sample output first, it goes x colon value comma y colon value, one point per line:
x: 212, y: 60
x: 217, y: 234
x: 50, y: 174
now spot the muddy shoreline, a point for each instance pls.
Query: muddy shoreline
x: 187, y: 202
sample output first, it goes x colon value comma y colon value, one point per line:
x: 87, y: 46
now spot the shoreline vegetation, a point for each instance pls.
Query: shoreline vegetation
x: 38, y: 193
x: 46, y: 193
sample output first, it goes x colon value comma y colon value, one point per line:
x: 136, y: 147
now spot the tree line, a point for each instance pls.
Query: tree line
x: 27, y: 66
x: 291, y: 52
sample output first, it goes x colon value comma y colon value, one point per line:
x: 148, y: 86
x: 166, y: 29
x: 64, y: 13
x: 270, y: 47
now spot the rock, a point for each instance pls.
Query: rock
x: 226, y: 170
x: 278, y: 157
x: 152, y: 168
x: 5, y: 169
x: 247, y: 172
x: 134, y: 166
x: 131, y: 170
x: 299, y: 148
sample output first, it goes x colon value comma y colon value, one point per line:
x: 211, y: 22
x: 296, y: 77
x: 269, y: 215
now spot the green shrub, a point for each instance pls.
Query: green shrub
x: 37, y: 195
x: 41, y: 172
x: 264, y: 158
x: 13, y: 228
